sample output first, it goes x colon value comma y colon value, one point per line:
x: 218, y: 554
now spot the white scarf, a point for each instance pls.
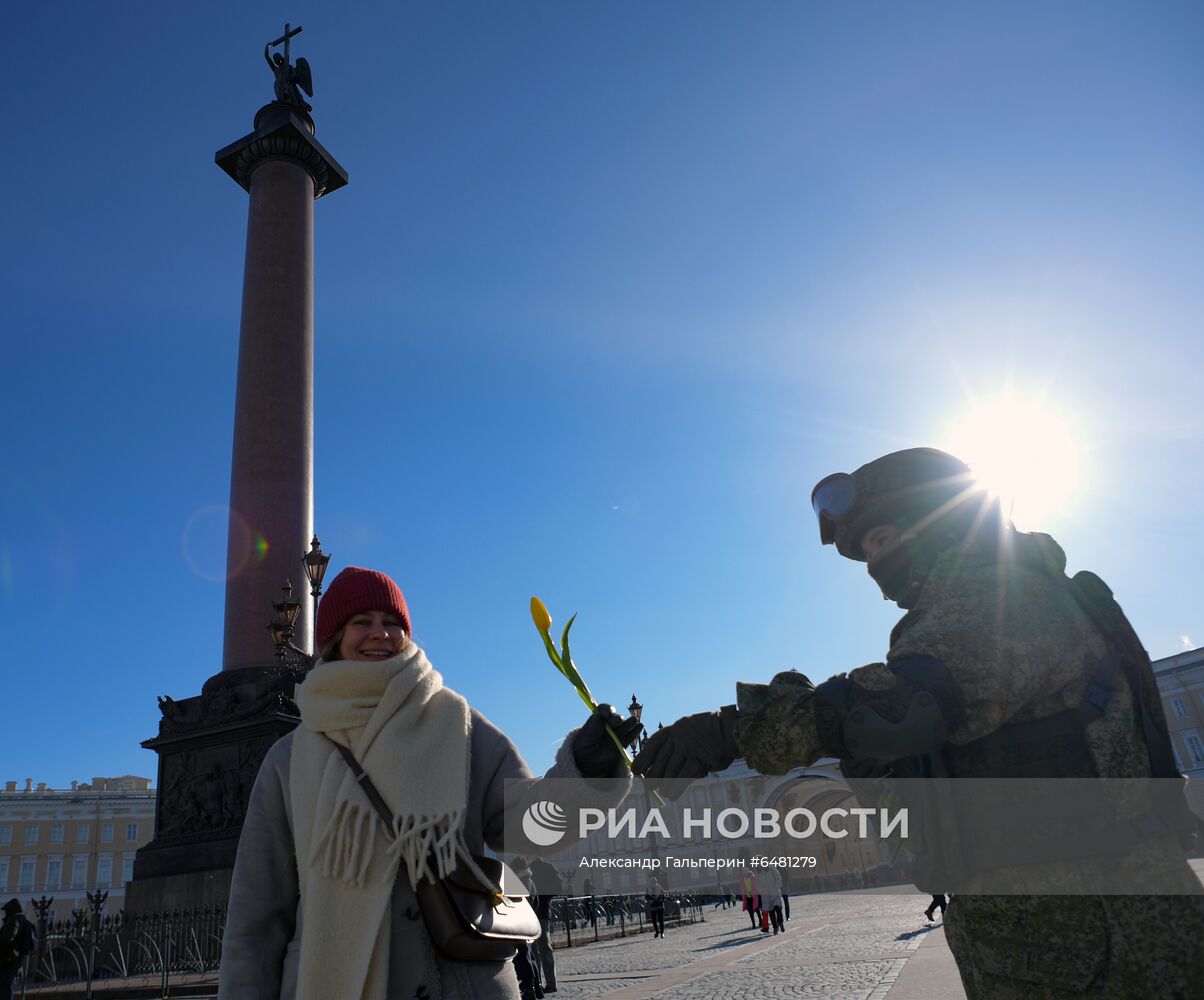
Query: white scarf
x: 411, y: 735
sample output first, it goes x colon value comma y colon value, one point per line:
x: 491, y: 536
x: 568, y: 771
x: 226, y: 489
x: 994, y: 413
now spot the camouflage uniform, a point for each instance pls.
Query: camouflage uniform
x: 1016, y: 646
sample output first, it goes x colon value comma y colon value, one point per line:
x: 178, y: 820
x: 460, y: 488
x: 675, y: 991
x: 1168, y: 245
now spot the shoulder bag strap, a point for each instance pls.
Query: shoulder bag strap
x: 366, y: 784
x: 378, y: 803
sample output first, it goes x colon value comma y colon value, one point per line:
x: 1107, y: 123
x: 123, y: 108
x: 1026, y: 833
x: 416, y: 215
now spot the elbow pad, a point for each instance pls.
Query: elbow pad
x: 922, y: 730
x: 913, y: 717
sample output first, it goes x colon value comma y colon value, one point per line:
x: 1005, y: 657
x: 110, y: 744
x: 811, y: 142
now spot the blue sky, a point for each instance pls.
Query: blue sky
x: 611, y: 287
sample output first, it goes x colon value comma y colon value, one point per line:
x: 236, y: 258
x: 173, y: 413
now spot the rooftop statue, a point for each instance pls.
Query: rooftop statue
x: 291, y: 79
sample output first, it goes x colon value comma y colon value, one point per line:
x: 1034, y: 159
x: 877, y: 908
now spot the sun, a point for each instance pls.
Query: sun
x: 1022, y: 451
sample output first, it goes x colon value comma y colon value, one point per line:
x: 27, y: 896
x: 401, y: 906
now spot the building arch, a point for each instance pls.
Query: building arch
x: 839, y: 862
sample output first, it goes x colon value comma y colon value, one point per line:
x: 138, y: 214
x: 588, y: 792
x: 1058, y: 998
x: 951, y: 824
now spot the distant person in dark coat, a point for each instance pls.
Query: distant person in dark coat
x: 17, y: 940
x: 654, y: 899
x: 525, y: 966
x: 547, y: 885
x: 591, y: 905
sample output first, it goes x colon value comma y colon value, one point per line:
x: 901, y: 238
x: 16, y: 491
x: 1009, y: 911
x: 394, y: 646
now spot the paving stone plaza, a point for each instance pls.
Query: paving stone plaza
x: 840, y: 946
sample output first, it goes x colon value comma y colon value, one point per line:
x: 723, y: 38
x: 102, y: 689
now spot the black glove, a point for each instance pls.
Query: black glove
x: 593, y: 749
x: 689, y: 749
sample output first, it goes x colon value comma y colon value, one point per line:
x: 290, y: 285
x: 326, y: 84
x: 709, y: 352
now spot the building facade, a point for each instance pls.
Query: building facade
x: 63, y: 843
x: 1181, y: 685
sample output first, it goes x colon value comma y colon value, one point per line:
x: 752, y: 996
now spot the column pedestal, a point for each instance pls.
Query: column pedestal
x: 210, y: 748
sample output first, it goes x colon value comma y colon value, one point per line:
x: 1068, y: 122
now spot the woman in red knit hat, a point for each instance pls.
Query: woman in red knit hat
x: 322, y: 901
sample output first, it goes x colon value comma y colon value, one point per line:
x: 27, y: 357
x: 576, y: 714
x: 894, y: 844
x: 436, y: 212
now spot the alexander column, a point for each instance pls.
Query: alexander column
x: 285, y: 169
x: 210, y: 746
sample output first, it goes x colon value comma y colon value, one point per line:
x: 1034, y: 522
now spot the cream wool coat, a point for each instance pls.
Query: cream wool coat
x: 264, y: 935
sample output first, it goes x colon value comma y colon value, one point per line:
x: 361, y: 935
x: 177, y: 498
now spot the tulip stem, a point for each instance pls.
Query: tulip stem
x: 563, y: 661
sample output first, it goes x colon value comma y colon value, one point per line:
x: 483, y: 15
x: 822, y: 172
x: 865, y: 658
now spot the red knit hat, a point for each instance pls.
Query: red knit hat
x: 356, y: 590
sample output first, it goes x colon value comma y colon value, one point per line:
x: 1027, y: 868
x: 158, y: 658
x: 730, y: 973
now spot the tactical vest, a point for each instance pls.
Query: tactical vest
x: 1056, y: 746
x: 1051, y: 747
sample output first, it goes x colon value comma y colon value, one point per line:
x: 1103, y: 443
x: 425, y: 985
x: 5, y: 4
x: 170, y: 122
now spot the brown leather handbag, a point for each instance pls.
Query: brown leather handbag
x: 468, y: 921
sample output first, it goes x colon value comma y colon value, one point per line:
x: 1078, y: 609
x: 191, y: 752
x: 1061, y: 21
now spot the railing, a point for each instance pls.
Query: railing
x: 159, y: 949
x: 579, y: 919
x: 153, y: 947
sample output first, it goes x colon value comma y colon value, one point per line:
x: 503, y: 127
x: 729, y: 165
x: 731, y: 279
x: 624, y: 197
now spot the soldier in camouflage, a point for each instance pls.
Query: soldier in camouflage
x: 1000, y: 668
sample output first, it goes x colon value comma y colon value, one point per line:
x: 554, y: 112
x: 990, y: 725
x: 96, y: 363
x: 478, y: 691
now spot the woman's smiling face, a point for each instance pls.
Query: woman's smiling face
x: 372, y: 635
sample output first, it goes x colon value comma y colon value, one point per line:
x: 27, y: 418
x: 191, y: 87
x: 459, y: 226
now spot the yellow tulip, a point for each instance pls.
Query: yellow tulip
x: 563, y: 662
x: 539, y: 615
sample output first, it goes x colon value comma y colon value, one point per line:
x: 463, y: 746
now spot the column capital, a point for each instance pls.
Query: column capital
x: 282, y: 132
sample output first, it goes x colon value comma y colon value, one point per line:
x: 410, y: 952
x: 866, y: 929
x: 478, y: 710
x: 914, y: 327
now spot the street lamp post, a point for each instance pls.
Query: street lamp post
x: 315, y: 561
x: 636, y: 711
x: 281, y: 626
x: 41, y: 907
x: 96, y: 903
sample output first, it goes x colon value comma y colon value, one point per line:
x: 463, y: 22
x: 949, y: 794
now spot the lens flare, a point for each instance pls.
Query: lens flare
x: 261, y: 547
x: 204, y: 543
x: 1021, y: 450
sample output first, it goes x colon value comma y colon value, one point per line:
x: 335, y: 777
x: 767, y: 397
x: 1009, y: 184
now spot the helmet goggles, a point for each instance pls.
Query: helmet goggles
x: 833, y: 499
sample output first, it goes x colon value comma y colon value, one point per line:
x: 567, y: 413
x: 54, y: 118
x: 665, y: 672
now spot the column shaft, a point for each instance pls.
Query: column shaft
x: 271, y: 482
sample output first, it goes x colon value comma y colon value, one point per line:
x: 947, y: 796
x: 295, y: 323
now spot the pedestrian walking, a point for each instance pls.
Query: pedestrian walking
x: 1003, y: 667
x: 654, y: 901
x: 591, y: 902
x: 938, y: 899
x: 569, y: 891
x: 751, y: 899
x: 770, y: 883
x: 322, y: 901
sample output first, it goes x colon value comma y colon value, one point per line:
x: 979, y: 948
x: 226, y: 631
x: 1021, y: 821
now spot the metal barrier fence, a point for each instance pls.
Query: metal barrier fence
x: 158, y: 948
x: 154, y: 947
x: 579, y: 919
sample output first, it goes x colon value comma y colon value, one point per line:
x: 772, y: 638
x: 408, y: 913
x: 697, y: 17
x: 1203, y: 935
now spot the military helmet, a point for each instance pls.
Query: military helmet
x: 913, y: 489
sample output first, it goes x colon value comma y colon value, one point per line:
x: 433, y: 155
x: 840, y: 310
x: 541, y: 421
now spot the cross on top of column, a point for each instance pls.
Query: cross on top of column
x: 285, y: 39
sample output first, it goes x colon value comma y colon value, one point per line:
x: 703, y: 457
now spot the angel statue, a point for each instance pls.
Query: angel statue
x: 291, y: 80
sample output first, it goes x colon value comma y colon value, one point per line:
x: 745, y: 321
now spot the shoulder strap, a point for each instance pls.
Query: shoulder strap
x: 1095, y: 597
x: 361, y: 776
x: 382, y: 810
